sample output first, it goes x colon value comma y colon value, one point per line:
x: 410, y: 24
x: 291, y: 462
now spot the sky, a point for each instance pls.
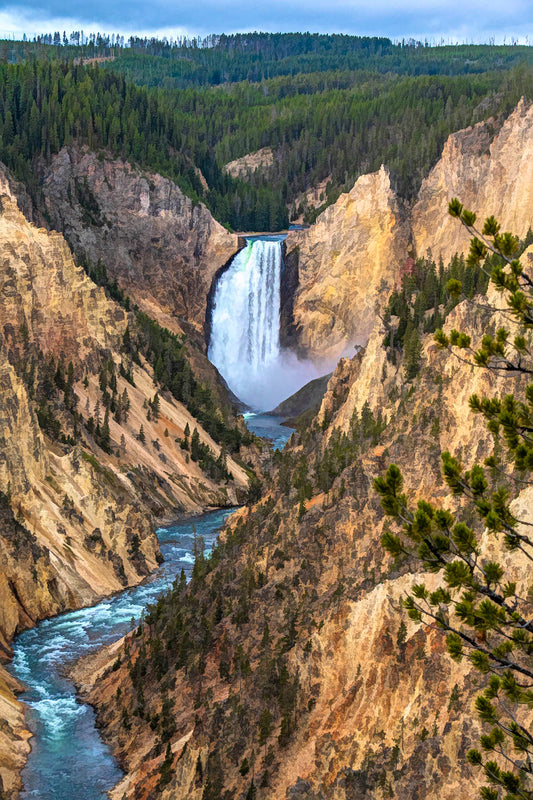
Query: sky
x: 473, y: 21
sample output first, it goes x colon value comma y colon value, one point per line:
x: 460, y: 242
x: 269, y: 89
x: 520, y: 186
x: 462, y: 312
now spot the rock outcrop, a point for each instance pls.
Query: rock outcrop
x: 161, y: 247
x: 349, y: 257
x: 241, y: 167
x: 308, y: 398
x: 490, y: 173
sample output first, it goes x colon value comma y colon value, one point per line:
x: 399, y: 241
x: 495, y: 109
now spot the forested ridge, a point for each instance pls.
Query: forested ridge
x: 330, y: 107
x: 256, y: 56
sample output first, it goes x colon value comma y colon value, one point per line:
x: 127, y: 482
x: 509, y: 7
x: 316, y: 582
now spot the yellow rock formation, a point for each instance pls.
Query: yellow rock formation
x: 488, y: 175
x: 345, y: 261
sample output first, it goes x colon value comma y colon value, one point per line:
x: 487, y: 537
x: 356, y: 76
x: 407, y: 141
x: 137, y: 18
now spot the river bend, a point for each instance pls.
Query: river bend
x: 68, y: 759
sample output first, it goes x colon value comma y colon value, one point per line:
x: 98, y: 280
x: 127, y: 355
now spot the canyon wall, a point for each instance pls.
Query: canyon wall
x: 357, y: 247
x: 76, y: 519
x: 164, y: 250
x: 345, y: 261
x: 161, y: 247
x: 373, y: 709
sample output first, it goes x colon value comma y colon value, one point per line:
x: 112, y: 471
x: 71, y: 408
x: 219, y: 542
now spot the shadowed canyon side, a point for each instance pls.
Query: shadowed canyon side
x: 161, y: 247
x: 309, y: 675
x: 90, y: 452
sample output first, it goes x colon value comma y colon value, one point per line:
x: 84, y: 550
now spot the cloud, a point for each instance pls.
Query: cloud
x: 475, y: 21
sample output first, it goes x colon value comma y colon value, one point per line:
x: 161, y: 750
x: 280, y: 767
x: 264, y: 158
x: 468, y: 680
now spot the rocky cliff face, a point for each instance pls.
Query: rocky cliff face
x: 47, y: 294
x: 491, y: 174
x: 357, y: 707
x: 162, y: 248
x: 76, y: 520
x: 344, y: 261
x: 241, y: 167
x: 355, y: 249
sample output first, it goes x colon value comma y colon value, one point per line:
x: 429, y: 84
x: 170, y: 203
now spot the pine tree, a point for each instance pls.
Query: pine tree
x: 104, y: 433
x: 266, y: 726
x: 155, y: 406
x: 165, y: 770
x: 486, y: 617
x: 125, y: 404
x: 195, y: 445
x: 412, y: 351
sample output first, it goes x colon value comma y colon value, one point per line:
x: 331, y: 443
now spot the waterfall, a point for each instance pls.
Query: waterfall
x: 244, y: 342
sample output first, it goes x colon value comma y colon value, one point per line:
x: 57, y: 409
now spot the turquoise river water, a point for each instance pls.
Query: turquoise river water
x: 69, y: 760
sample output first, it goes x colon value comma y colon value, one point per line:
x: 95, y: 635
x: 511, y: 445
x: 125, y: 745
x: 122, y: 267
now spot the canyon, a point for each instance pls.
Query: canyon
x: 77, y: 521
x: 358, y: 709
x: 166, y: 252
x: 310, y: 688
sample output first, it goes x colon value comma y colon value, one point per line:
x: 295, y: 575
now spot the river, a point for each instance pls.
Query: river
x: 69, y: 760
x: 269, y: 427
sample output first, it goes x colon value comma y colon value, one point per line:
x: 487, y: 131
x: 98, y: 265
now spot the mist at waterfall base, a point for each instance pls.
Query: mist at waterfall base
x: 245, y: 320
x: 276, y: 381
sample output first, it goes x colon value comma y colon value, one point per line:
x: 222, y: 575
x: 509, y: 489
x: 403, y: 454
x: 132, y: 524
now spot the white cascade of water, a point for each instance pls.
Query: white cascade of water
x: 245, y: 320
x: 244, y: 342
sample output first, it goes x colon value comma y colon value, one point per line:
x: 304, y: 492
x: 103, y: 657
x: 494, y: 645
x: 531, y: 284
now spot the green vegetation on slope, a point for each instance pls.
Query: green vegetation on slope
x: 331, y: 109
x: 426, y: 296
x: 167, y: 353
x: 45, y: 106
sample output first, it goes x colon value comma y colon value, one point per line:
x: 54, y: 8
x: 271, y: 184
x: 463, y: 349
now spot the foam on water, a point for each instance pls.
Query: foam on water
x: 188, y: 558
x: 57, y: 714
